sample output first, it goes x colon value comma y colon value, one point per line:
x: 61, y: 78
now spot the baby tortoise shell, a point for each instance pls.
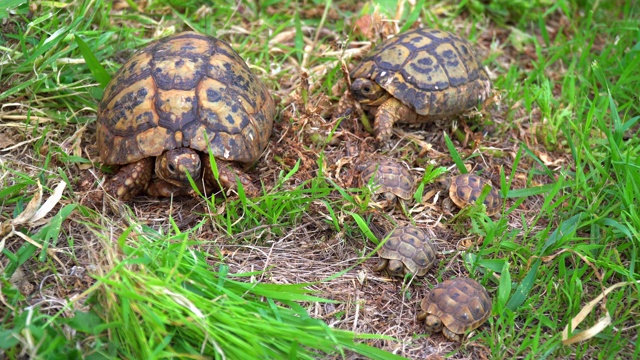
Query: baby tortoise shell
x: 419, y: 76
x: 169, y: 104
x: 466, y: 189
x: 408, y: 249
x: 455, y: 307
x: 390, y: 178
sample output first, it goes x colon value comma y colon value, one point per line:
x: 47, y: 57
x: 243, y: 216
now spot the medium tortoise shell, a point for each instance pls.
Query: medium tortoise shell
x: 434, y: 72
x: 184, y: 91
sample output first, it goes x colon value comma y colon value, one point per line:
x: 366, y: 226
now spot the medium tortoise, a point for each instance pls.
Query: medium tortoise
x: 418, y: 76
x: 169, y: 104
x: 390, y: 179
x: 455, y: 307
x: 466, y: 189
x: 408, y: 249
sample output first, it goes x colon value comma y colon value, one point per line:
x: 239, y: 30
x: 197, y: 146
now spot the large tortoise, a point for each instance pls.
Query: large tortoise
x: 171, y: 103
x: 418, y: 76
x: 454, y: 307
x: 408, y: 249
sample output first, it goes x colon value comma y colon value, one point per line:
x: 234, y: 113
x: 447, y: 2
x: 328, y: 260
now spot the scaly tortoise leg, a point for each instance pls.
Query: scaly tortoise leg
x: 387, y: 114
x: 451, y: 335
x: 227, y: 176
x: 344, y: 108
x: 381, y: 265
x: 130, y: 180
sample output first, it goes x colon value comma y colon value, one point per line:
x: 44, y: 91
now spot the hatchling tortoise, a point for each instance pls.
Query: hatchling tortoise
x: 455, y: 307
x: 390, y: 179
x: 421, y: 75
x: 408, y: 249
x: 169, y: 104
x: 466, y: 188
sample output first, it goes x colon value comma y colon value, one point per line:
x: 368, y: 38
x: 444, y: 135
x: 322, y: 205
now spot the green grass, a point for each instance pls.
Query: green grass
x: 569, y: 169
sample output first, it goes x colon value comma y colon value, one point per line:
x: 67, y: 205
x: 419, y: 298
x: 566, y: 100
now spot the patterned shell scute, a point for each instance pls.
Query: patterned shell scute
x: 186, y: 90
x: 412, y: 246
x: 466, y: 188
x: 462, y: 304
x: 388, y: 176
x: 431, y: 71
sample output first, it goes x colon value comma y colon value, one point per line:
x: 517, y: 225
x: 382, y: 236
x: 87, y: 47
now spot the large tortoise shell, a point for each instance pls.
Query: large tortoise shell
x: 186, y: 90
x: 462, y: 304
x: 412, y: 246
x: 432, y: 71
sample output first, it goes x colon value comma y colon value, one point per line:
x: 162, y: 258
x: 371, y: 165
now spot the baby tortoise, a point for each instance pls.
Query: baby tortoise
x: 455, y: 307
x: 466, y: 189
x: 390, y: 178
x: 408, y: 249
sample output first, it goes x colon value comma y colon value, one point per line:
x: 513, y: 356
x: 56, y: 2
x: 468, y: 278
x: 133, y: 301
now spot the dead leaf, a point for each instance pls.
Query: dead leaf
x: 600, y: 325
x: 546, y: 159
x: 5, y: 141
x: 364, y: 26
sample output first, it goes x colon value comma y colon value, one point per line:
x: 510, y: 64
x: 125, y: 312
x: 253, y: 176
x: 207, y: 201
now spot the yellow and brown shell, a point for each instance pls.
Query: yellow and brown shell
x: 186, y: 90
x: 432, y: 71
x: 462, y: 304
x: 389, y: 176
x: 412, y: 246
x: 466, y: 188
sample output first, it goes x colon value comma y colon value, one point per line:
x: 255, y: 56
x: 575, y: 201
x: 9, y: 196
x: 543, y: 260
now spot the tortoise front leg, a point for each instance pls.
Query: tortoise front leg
x: 451, y: 335
x: 381, y: 265
x: 387, y: 114
x: 130, y: 180
x: 344, y: 108
x: 228, y: 172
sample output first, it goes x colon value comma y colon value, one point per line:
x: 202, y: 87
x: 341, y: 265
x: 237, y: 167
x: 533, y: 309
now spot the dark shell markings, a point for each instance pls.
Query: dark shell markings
x: 431, y: 71
x: 177, y: 89
x: 173, y: 101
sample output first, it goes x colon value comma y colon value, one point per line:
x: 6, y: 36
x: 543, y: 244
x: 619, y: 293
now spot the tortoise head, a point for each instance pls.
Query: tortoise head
x: 367, y: 92
x: 433, y: 324
x: 172, y: 166
x: 390, y: 198
x: 443, y: 182
x: 396, y: 268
